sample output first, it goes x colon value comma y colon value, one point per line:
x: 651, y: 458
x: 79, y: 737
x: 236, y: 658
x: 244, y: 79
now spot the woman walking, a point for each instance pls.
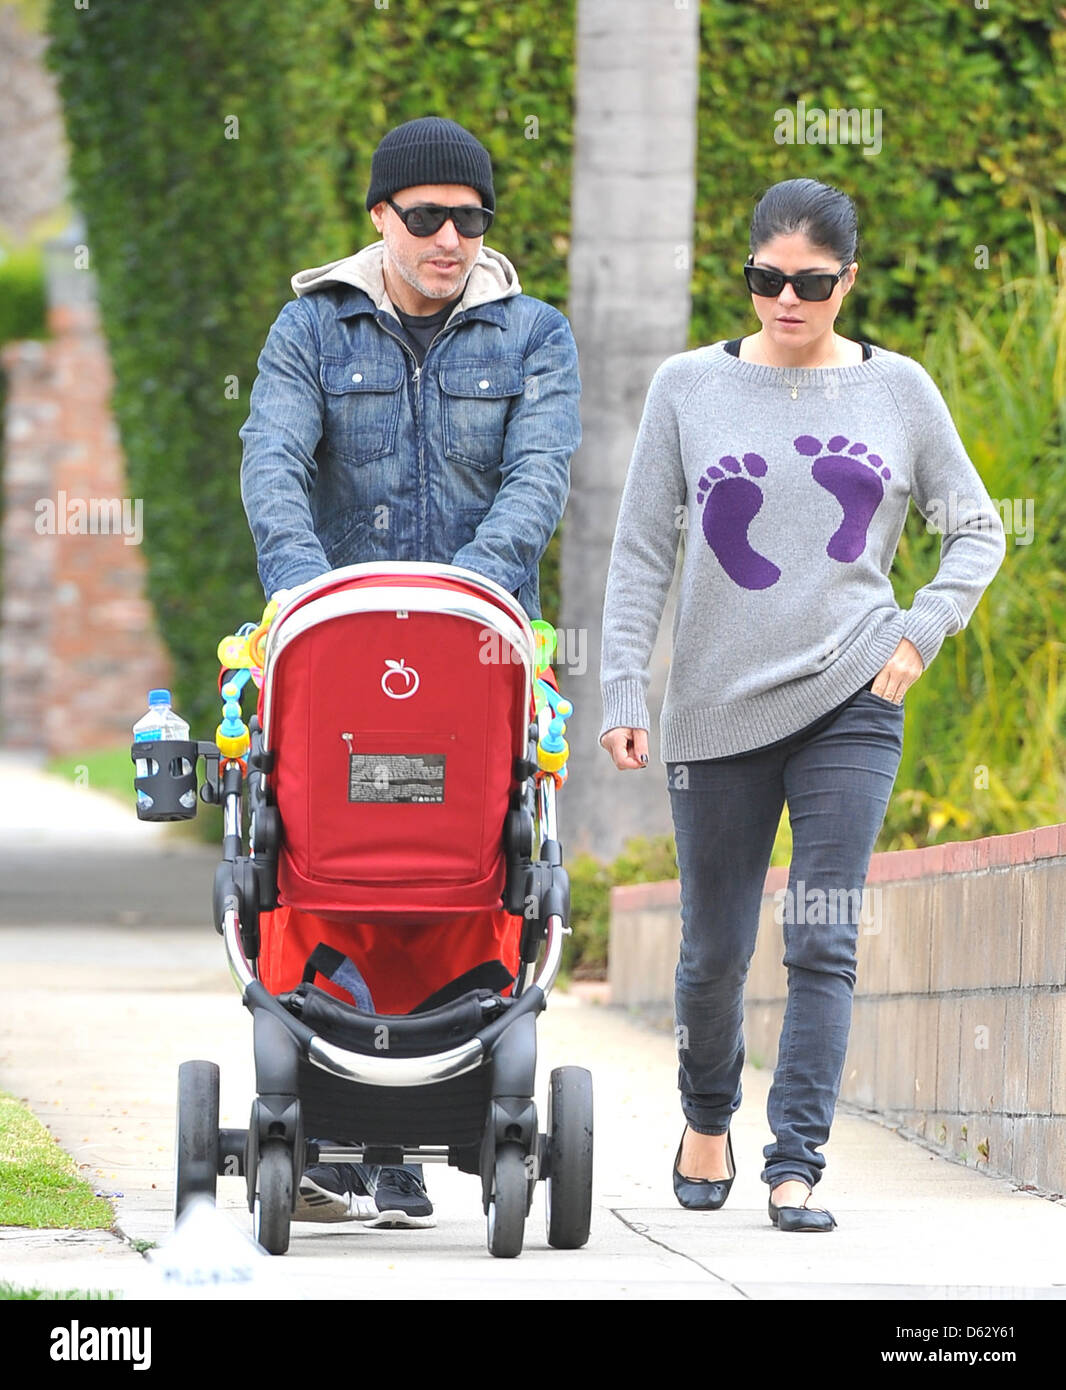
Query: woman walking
x: 786, y: 460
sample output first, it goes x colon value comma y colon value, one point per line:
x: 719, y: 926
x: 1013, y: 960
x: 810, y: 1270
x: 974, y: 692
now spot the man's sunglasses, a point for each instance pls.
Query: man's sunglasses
x: 770, y: 283
x: 426, y: 218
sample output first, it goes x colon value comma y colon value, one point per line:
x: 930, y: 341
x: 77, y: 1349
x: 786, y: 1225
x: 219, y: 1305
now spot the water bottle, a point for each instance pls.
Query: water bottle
x: 161, y: 722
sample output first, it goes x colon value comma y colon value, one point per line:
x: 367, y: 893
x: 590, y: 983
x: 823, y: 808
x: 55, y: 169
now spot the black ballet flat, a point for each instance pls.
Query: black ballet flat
x: 803, y: 1218
x: 703, y: 1194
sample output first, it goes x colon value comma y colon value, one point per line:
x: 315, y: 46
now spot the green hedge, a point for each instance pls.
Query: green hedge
x: 22, y: 296
x: 985, y: 745
x: 971, y: 132
x: 192, y: 236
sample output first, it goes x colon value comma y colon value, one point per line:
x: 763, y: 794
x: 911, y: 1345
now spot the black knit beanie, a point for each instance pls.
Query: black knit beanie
x: 430, y: 150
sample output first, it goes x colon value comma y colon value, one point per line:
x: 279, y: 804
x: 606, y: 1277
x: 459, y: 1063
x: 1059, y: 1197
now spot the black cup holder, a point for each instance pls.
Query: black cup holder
x: 171, y: 791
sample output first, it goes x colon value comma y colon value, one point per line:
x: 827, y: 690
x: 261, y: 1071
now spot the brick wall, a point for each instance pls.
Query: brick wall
x: 959, y: 1027
x: 78, y: 647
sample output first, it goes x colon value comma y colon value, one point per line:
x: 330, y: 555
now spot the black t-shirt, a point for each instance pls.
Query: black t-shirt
x: 421, y: 329
x: 733, y: 348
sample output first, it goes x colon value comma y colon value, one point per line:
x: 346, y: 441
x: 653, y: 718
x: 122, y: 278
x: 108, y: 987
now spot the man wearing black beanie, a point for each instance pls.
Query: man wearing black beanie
x: 412, y: 404
x: 428, y: 152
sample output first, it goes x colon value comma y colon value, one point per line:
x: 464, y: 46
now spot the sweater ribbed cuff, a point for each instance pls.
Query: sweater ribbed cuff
x: 624, y: 706
x: 926, y: 624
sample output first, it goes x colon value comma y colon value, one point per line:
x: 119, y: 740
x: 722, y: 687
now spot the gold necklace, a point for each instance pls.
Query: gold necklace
x: 795, y: 384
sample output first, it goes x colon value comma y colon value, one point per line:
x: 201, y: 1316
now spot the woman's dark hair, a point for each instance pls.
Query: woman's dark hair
x: 824, y: 215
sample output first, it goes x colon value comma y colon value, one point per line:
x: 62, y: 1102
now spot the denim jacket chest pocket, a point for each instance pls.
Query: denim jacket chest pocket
x: 361, y: 397
x: 476, y: 397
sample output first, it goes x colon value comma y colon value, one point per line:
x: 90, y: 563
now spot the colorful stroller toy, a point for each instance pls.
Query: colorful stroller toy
x: 403, y: 877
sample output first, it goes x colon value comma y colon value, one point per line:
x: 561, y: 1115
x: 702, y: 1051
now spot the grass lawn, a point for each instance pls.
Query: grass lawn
x: 39, y: 1183
x: 110, y: 770
x: 105, y: 770
x: 9, y: 1292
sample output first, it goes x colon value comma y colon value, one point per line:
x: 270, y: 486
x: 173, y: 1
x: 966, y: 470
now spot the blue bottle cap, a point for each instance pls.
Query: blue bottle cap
x: 159, y: 697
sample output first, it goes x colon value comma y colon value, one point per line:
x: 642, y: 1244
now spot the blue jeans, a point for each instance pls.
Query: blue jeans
x: 836, y: 776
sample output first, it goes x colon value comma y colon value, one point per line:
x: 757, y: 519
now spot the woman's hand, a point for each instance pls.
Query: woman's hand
x: 898, y: 673
x: 627, y: 747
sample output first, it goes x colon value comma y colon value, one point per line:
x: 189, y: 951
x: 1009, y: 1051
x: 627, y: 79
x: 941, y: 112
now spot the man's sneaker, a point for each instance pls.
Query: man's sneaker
x: 399, y: 1197
x: 380, y: 1197
x: 333, y: 1192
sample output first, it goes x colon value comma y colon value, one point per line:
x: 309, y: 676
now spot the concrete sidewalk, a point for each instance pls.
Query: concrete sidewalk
x: 96, y: 1015
x: 37, y: 810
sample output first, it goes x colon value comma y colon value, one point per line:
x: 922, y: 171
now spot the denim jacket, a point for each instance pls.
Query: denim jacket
x: 352, y: 452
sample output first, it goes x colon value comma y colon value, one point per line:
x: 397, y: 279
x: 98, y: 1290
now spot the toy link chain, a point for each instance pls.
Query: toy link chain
x: 242, y: 655
x: 552, y: 749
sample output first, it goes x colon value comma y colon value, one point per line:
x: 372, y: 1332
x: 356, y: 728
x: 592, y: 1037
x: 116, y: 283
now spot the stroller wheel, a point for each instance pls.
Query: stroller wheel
x: 272, y: 1210
x: 568, y: 1186
x: 509, y: 1201
x: 196, y: 1141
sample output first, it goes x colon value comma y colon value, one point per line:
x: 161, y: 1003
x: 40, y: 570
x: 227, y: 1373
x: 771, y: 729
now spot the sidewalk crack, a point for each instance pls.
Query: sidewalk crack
x: 640, y: 1230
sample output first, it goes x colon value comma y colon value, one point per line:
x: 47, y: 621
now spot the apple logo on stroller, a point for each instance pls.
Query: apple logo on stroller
x: 399, y: 681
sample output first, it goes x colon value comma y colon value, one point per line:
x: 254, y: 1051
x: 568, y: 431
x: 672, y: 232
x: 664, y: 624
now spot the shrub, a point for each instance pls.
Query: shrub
x: 971, y: 133
x: 641, y: 861
x: 200, y: 157
x: 22, y: 295
x: 985, y: 747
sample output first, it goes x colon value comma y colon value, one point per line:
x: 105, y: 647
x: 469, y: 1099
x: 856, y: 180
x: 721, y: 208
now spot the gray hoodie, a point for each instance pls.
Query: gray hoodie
x: 492, y: 276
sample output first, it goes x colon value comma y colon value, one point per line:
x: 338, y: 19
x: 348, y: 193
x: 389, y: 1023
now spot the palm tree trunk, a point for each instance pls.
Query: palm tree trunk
x: 630, y: 259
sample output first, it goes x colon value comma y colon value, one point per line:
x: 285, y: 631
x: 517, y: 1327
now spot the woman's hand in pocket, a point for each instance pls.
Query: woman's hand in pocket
x: 628, y: 747
x: 898, y: 673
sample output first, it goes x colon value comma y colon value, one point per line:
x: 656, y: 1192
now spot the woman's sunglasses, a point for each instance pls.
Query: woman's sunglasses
x: 426, y: 218
x: 769, y: 283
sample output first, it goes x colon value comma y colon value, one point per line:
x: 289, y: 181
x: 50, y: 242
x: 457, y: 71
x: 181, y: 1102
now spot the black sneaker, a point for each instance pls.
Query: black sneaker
x: 388, y: 1198
x: 399, y: 1197
x: 333, y: 1192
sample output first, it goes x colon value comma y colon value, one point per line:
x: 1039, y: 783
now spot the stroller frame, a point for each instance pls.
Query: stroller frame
x: 469, y: 1104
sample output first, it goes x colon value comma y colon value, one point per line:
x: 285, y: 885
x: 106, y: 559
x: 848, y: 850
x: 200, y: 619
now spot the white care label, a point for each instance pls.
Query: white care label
x: 396, y: 777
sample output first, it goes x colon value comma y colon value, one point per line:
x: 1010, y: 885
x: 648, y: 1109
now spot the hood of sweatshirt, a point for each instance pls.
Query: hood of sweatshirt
x: 492, y: 276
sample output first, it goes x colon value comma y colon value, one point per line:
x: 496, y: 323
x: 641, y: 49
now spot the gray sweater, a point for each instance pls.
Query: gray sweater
x: 788, y: 512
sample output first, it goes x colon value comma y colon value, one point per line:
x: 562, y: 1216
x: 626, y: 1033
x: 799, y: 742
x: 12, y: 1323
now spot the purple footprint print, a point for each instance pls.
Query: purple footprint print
x: 854, y: 479
x: 730, y: 503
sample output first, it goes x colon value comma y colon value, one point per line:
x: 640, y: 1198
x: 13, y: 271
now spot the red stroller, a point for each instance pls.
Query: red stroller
x: 401, y: 784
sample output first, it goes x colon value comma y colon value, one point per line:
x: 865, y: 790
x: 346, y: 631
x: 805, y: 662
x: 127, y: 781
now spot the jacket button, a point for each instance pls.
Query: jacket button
x: 483, y: 385
x: 357, y: 376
